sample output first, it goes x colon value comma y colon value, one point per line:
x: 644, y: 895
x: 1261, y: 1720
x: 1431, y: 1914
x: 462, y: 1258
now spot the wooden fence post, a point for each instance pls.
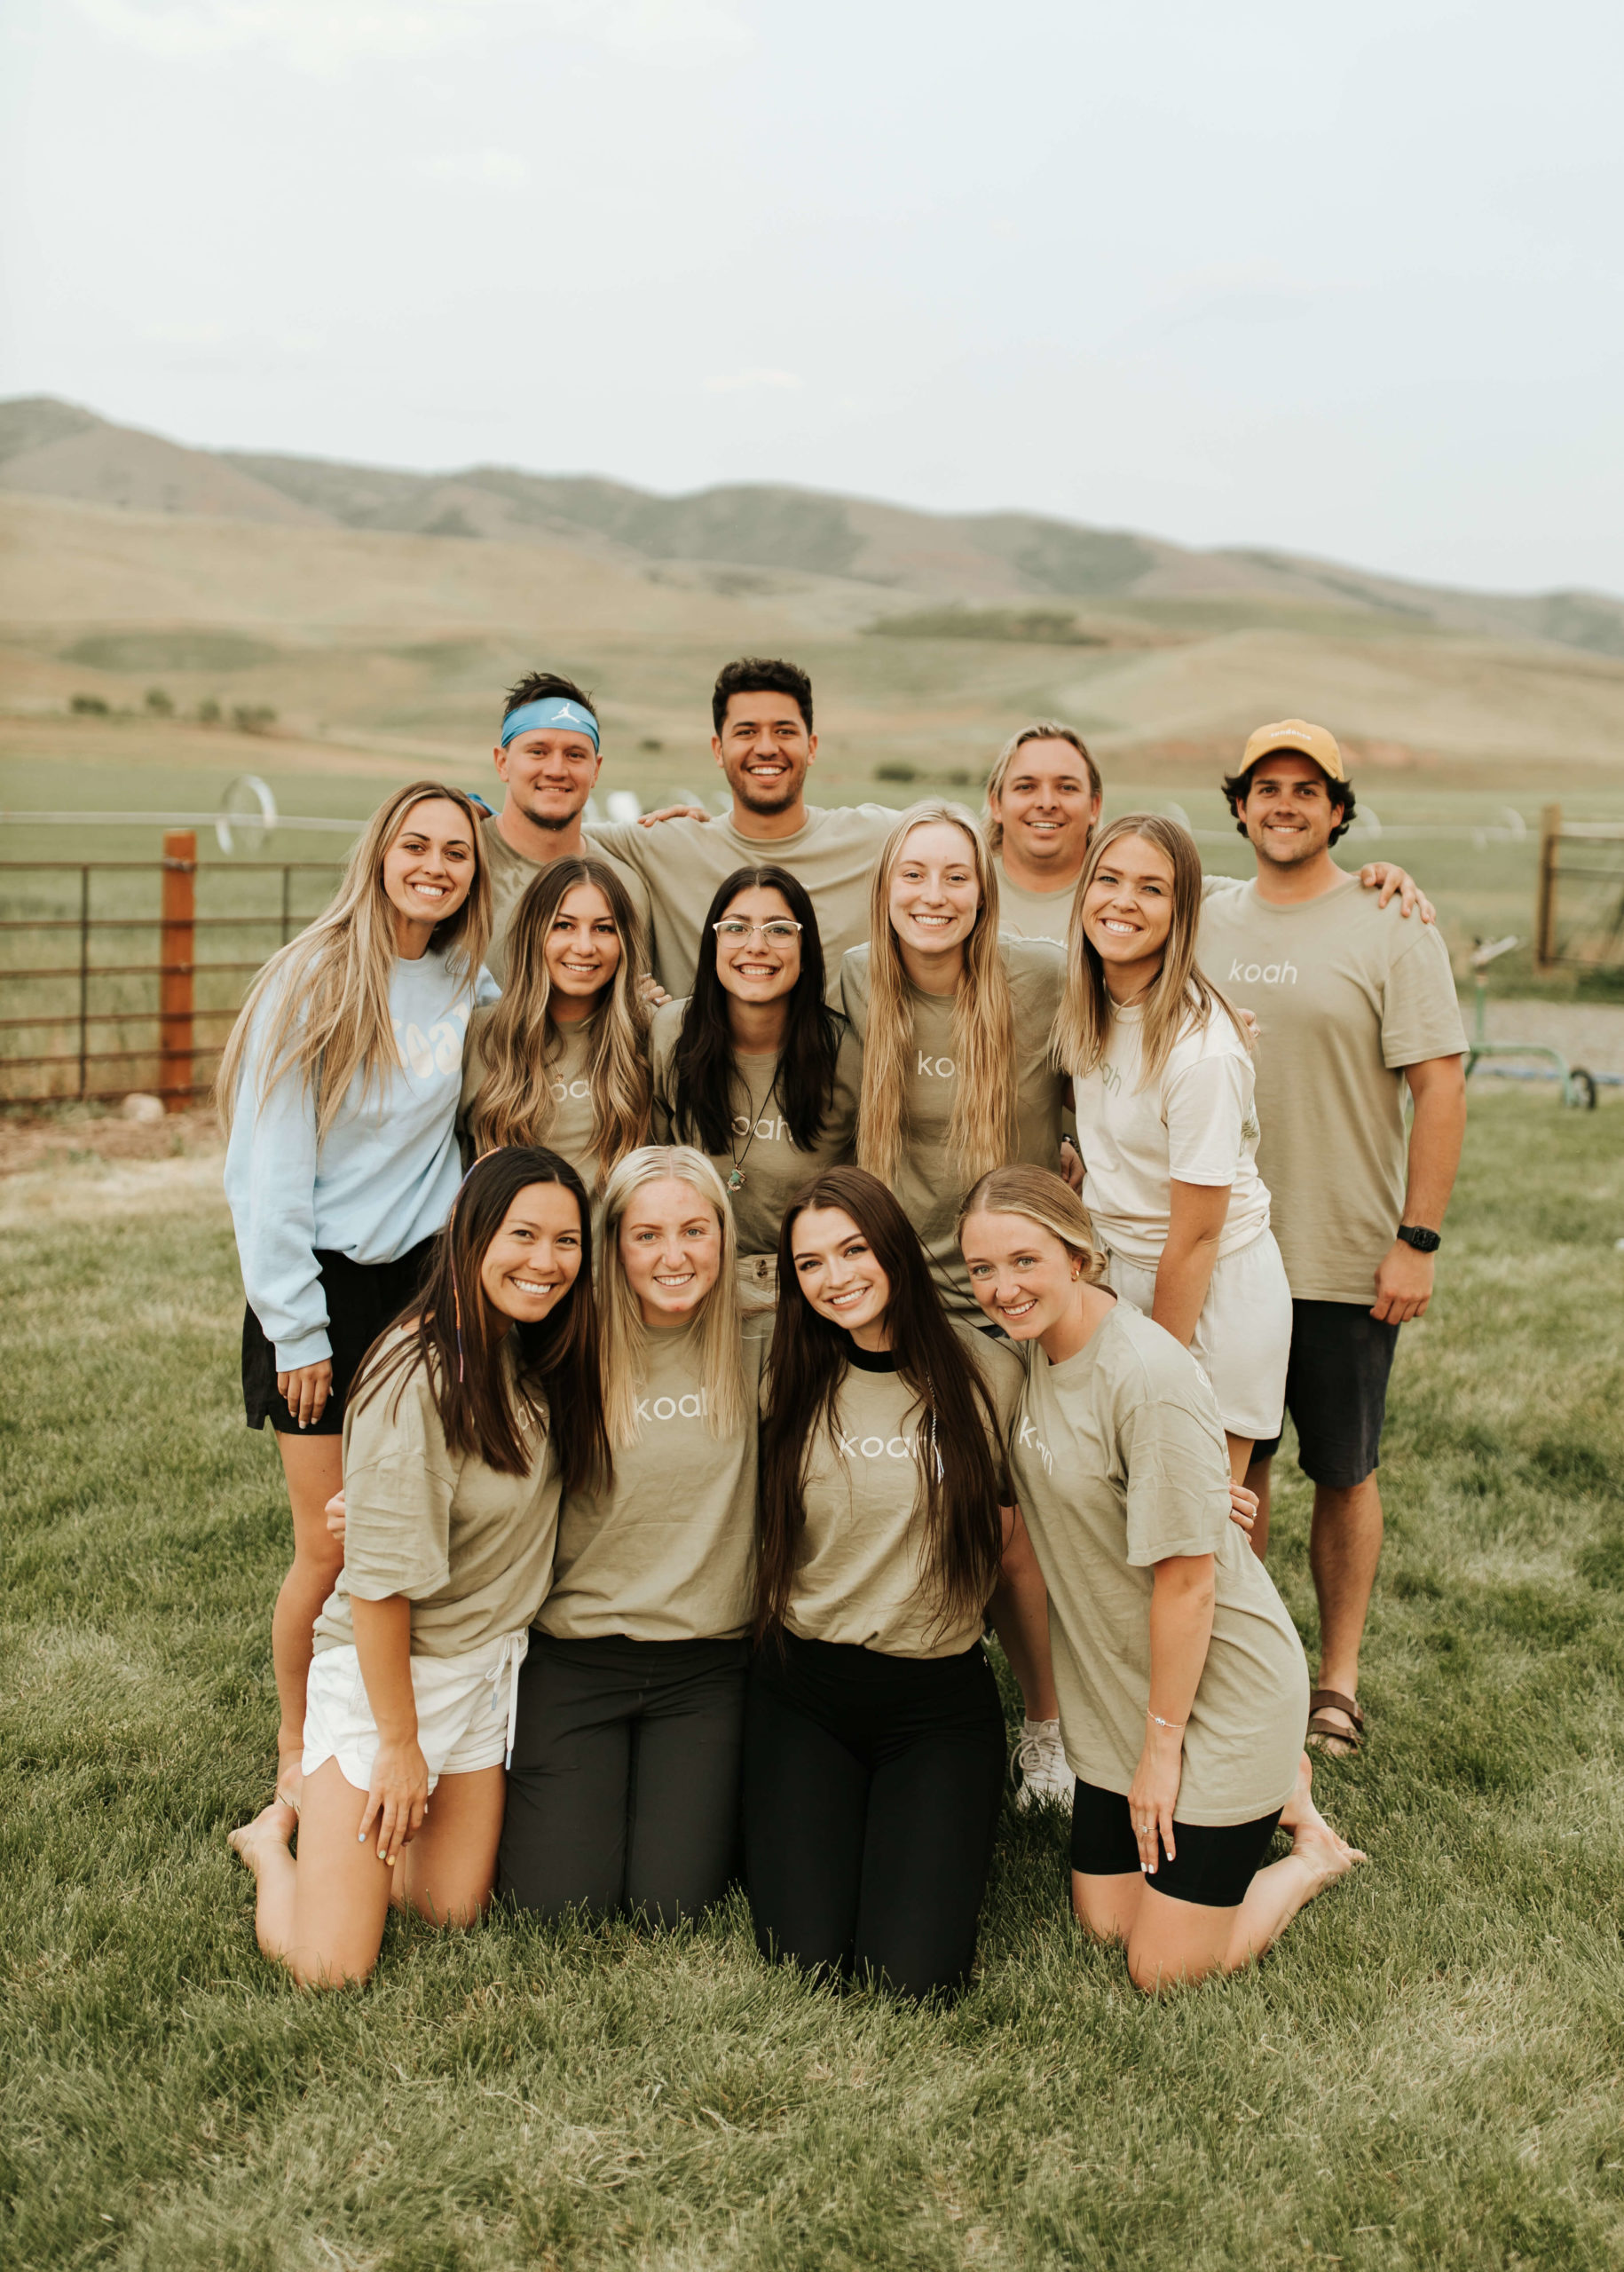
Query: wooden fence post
x: 1545, y: 910
x: 176, y: 944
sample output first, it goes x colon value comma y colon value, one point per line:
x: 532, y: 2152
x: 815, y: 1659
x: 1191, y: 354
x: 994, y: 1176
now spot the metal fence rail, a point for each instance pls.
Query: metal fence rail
x: 175, y: 1056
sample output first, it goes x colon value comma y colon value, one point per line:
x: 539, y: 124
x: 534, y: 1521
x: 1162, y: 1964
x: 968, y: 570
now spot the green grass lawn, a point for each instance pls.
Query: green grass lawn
x: 1427, y: 2073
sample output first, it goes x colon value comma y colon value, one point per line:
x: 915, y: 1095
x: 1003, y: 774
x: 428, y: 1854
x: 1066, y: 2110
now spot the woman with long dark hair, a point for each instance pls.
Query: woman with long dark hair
x: 338, y: 1089
x: 562, y: 1059
x: 873, y: 1735
x: 467, y: 1422
x: 755, y: 1069
x: 624, y: 1794
x: 1184, y: 1692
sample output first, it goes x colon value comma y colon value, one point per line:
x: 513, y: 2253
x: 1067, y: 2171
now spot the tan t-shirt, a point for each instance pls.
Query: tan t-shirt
x: 471, y: 1548
x: 668, y: 1553
x: 771, y: 1166
x: 1346, y: 994
x: 511, y: 876
x: 570, y: 1131
x: 1119, y: 1463
x: 1193, y: 1124
x: 684, y: 861
x: 928, y: 1183
x: 1026, y: 914
x: 860, y: 1578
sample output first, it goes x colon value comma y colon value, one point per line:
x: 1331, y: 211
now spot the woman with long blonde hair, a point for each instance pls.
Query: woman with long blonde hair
x: 957, y: 1078
x: 623, y: 1793
x: 338, y: 1089
x: 1183, y: 1687
x: 563, y: 1058
x: 1162, y: 1072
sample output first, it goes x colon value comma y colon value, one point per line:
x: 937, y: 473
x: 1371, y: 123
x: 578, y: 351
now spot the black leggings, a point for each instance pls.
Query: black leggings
x: 872, y: 1794
x: 623, y: 1795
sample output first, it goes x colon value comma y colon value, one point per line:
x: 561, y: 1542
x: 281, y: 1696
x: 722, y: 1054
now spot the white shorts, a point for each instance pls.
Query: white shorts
x: 1242, y: 1337
x: 466, y: 1707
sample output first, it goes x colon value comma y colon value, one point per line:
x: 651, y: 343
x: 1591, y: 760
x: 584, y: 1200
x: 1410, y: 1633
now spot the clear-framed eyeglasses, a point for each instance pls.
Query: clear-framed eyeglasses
x: 779, y: 933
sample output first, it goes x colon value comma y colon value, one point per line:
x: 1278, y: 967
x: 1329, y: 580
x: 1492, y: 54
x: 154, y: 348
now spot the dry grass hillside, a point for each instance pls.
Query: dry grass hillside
x: 174, y: 616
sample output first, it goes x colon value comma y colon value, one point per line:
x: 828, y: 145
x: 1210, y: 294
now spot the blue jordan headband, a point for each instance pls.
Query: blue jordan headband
x: 552, y: 710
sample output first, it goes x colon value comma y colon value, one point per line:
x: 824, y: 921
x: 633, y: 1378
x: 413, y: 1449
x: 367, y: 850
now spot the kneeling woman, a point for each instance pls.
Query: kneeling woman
x: 624, y: 1794
x: 1183, y: 1689
x: 563, y: 1058
x: 874, y: 1739
x: 465, y: 1422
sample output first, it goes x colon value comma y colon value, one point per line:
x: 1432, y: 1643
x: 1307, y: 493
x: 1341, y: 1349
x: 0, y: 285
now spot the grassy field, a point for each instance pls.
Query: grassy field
x: 1428, y: 2073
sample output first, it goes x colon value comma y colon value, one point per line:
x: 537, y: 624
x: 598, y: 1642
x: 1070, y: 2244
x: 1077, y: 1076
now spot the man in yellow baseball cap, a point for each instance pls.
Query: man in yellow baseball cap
x: 1296, y: 734
x: 1355, y: 1007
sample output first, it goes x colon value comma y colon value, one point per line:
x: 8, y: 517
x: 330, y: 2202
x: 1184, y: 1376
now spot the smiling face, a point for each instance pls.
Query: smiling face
x: 535, y: 1257
x: 935, y: 895
x: 1128, y: 911
x: 1288, y: 812
x: 1023, y: 1277
x: 764, y: 748
x: 549, y: 773
x: 758, y: 946
x: 837, y: 1271
x: 670, y: 1244
x: 582, y: 950
x: 429, y: 869
x: 1047, y: 808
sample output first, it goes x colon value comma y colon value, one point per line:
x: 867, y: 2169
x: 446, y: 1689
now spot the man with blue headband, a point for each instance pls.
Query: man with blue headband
x: 549, y: 758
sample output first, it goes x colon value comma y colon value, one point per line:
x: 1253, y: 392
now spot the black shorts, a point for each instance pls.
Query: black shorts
x: 362, y: 1298
x: 1336, y: 1391
x: 1214, y: 1864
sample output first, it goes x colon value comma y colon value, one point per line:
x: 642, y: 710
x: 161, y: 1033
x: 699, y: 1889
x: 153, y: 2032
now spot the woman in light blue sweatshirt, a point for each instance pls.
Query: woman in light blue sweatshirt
x: 339, y: 1088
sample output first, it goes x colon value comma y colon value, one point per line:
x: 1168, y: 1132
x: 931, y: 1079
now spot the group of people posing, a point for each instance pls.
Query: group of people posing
x: 705, y: 1275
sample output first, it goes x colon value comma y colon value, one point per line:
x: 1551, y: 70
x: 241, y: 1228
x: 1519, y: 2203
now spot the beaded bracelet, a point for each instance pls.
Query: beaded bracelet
x: 1156, y: 1719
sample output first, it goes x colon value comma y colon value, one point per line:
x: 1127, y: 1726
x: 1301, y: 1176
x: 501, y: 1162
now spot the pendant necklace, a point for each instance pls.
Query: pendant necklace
x: 736, y: 1180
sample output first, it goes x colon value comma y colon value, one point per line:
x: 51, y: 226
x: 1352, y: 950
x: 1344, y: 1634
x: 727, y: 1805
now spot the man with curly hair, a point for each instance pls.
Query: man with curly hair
x: 1355, y: 1007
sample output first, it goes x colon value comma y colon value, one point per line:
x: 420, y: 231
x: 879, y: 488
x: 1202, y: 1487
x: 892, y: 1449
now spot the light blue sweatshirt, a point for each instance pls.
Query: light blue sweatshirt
x: 382, y: 1178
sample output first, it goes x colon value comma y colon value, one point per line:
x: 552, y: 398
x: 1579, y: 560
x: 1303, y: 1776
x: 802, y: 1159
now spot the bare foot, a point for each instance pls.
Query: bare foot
x: 272, y: 1826
x: 1311, y: 1837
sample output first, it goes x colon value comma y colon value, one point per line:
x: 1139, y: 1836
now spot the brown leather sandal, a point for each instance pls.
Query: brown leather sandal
x: 1322, y: 1731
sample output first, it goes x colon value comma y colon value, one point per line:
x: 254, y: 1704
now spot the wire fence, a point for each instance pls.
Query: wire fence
x: 109, y: 985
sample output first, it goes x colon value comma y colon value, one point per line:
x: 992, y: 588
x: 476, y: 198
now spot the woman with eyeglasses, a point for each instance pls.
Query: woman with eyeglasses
x: 561, y: 1058
x: 754, y: 1070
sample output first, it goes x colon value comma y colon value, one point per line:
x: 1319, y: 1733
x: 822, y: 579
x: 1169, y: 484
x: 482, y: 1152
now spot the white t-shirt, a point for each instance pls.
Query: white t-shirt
x: 1194, y: 1125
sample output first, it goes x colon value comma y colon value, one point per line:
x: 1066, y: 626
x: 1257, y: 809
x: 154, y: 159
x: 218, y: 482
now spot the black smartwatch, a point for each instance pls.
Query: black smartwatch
x: 1424, y: 1242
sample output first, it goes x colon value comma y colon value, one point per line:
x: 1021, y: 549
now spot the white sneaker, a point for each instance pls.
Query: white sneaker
x: 1039, y: 1769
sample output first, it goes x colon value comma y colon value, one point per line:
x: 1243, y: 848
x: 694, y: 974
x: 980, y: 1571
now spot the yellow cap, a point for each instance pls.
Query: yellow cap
x: 1296, y: 733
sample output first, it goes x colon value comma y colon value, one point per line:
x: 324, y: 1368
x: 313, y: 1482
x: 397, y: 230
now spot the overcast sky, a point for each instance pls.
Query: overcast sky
x: 1346, y: 280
